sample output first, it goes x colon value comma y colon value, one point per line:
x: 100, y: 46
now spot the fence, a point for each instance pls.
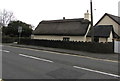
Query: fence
x: 81, y: 46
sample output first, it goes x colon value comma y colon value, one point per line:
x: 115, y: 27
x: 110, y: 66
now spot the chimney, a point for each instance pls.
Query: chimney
x: 87, y: 16
x: 63, y: 18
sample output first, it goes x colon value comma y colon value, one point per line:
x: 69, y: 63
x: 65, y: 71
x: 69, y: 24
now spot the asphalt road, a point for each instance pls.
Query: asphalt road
x: 25, y: 63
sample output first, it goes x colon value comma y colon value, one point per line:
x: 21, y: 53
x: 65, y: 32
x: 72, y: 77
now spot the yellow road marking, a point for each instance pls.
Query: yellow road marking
x: 107, y: 60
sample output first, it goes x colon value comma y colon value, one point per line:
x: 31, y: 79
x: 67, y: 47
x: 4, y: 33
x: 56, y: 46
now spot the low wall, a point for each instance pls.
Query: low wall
x: 81, y: 46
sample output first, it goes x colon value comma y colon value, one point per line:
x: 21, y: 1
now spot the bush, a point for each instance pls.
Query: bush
x: 7, y: 39
x: 81, y: 46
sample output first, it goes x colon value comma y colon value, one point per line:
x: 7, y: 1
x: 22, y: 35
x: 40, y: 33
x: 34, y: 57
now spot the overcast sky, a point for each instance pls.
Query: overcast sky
x: 34, y: 11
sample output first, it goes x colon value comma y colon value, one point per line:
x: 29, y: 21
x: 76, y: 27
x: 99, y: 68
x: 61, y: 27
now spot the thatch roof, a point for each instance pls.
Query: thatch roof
x: 103, y: 31
x: 62, y: 27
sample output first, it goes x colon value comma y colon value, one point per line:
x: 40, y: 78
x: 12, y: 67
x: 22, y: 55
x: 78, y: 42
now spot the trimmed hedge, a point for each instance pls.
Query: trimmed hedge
x: 81, y: 46
x: 9, y: 39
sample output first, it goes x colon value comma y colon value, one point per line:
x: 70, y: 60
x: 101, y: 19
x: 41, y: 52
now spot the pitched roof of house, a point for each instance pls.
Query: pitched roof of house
x: 113, y: 17
x: 64, y: 27
x: 103, y: 31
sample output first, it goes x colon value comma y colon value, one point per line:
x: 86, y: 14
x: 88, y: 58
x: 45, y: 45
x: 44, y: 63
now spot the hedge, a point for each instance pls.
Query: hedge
x: 81, y: 46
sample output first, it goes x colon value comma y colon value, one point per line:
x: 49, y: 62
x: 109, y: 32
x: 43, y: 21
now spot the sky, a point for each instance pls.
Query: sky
x: 34, y: 11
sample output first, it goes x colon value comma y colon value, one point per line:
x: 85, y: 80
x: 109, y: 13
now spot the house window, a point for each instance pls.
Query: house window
x: 66, y: 38
x: 96, y: 39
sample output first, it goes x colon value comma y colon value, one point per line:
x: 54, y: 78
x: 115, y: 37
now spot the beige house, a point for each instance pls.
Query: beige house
x: 65, y: 29
x: 106, y: 29
x: 102, y: 33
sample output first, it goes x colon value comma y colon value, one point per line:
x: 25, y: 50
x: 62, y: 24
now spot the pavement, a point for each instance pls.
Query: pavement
x: 106, y: 56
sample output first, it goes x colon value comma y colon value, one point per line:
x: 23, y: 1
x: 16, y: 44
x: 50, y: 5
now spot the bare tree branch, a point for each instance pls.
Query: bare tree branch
x: 6, y: 17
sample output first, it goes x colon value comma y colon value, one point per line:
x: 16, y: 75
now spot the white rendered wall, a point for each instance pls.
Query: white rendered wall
x: 72, y: 38
x: 108, y: 21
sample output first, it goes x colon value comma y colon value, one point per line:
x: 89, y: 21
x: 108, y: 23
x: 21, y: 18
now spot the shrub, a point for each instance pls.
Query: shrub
x: 7, y: 39
x: 81, y: 46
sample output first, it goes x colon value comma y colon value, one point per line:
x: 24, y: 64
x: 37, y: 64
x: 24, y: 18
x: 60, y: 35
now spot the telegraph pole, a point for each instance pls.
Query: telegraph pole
x: 92, y: 28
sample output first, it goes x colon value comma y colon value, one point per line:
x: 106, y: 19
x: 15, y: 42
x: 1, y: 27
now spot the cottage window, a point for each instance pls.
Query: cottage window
x: 66, y: 38
x: 96, y: 39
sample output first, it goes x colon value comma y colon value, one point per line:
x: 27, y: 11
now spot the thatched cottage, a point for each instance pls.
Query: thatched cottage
x: 64, y: 29
x: 106, y: 29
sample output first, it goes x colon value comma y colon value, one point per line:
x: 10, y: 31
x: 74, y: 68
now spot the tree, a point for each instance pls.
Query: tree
x: 6, y: 17
x: 12, y: 29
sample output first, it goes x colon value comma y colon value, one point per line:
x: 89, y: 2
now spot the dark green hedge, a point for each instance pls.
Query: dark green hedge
x: 81, y: 46
x: 7, y: 39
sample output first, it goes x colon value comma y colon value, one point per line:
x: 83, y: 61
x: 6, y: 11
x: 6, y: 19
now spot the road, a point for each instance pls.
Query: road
x: 25, y: 63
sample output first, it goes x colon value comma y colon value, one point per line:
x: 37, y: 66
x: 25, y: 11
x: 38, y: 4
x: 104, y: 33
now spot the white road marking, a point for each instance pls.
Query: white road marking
x: 93, y: 58
x: 5, y: 51
x: 114, y: 75
x: 106, y: 60
x: 36, y: 58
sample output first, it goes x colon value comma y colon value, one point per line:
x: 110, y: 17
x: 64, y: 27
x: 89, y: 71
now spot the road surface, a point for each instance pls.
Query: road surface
x: 25, y: 63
